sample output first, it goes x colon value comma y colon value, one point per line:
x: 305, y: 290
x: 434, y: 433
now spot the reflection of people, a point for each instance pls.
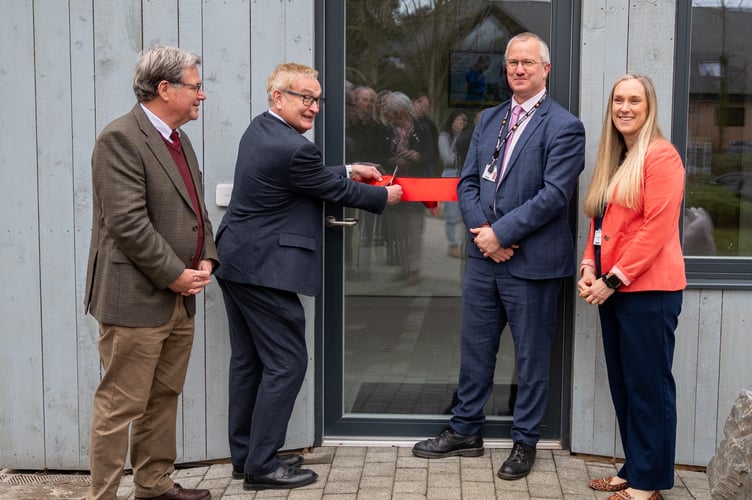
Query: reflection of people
x: 363, y: 142
x: 271, y: 239
x: 634, y: 200
x: 521, y: 252
x: 476, y: 79
x: 412, y: 154
x: 151, y: 253
x: 422, y: 107
x: 450, y: 162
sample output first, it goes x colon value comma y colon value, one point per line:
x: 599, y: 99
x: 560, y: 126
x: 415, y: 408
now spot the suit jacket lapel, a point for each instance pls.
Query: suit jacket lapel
x: 155, y: 143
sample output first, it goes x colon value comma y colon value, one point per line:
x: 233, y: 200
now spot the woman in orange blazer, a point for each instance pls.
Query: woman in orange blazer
x: 633, y: 269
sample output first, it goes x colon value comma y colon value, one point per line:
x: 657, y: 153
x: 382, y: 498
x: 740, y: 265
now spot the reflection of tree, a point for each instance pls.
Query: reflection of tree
x: 405, y: 44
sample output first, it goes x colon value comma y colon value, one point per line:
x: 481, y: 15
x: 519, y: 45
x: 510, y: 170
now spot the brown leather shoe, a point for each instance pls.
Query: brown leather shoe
x: 604, y: 484
x: 177, y: 492
x: 623, y: 495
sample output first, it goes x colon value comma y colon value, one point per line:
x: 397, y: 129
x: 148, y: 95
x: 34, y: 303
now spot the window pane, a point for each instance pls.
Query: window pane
x: 412, y: 67
x: 718, y: 216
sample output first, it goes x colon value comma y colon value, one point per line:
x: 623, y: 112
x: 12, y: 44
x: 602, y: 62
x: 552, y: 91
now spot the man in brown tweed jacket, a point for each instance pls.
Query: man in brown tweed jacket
x: 151, y: 252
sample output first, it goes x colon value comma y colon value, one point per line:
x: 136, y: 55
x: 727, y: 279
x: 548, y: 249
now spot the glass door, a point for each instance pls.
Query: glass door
x: 404, y: 81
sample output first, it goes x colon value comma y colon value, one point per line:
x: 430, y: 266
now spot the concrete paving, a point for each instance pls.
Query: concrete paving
x: 375, y: 473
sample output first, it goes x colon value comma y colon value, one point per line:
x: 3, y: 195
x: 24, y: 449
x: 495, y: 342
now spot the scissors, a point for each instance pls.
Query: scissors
x: 394, y: 176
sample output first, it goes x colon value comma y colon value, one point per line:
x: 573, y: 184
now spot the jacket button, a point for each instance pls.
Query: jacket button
x: 195, y: 228
x: 606, y: 237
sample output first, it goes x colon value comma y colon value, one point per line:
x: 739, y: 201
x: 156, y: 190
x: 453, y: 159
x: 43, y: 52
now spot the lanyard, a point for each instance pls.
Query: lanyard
x: 500, y: 142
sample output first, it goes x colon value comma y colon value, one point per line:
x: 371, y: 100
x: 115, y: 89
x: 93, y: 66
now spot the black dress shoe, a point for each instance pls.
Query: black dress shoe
x: 291, y: 460
x: 519, y: 463
x: 449, y: 444
x: 285, y: 477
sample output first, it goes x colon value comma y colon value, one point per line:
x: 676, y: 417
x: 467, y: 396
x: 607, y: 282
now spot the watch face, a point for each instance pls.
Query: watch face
x: 612, y: 281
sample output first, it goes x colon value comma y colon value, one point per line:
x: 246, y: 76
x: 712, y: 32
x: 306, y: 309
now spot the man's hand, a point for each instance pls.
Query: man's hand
x: 486, y: 241
x: 393, y: 194
x: 191, y: 281
x: 362, y: 172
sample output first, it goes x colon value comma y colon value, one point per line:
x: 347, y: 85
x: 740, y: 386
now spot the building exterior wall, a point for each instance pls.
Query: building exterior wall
x: 70, y: 67
x: 66, y: 69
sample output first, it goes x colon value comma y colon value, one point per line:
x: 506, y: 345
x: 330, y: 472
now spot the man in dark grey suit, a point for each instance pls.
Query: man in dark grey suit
x: 518, y: 180
x: 151, y: 252
x: 270, y: 242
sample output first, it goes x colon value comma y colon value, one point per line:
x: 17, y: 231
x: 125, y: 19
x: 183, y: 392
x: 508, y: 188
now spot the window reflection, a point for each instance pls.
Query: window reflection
x: 418, y: 74
x: 718, y: 216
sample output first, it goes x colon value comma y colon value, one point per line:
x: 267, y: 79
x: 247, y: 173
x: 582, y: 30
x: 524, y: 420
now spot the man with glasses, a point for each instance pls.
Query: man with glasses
x: 151, y: 253
x: 514, y: 192
x: 271, y: 237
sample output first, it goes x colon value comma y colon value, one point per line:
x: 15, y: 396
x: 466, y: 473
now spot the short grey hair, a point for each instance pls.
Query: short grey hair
x: 158, y: 64
x: 545, y: 54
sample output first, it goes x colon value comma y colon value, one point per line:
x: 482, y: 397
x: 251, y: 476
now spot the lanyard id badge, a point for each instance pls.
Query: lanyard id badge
x: 490, y: 172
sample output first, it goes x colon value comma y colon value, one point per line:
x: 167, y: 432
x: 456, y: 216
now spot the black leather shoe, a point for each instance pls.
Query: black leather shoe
x: 449, y: 444
x: 285, y: 477
x: 291, y: 460
x: 519, y: 463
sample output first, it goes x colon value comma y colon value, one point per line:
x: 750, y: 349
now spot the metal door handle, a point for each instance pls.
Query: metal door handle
x: 331, y: 221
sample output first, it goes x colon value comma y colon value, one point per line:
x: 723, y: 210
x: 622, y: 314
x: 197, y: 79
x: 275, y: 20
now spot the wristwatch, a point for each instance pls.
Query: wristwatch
x: 612, y: 281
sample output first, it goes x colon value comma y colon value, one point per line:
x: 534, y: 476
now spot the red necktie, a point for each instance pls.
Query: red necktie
x: 175, y: 138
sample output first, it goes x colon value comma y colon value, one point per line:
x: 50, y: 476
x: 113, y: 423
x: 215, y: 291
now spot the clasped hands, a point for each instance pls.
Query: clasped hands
x: 192, y: 281
x: 486, y: 241
x: 363, y: 172
x: 593, y: 290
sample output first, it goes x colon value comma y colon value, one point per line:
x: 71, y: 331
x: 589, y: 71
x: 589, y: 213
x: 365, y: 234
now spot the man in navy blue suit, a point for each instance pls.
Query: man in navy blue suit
x: 272, y: 238
x: 516, y: 186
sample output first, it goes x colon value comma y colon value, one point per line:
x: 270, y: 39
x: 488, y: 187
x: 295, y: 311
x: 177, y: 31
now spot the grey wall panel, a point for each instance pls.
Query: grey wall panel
x: 22, y: 419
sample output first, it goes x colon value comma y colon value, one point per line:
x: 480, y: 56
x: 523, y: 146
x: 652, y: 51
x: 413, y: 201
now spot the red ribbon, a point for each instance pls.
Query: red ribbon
x: 425, y: 189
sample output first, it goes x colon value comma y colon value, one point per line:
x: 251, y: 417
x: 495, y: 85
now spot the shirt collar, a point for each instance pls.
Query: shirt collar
x: 161, y: 126
x: 528, y: 105
x: 275, y: 115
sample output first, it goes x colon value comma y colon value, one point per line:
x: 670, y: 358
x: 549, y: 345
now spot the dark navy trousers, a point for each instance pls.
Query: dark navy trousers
x: 267, y: 365
x: 491, y: 298
x: 638, y: 341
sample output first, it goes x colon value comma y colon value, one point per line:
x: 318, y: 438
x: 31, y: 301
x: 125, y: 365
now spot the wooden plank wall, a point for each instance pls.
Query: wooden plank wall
x: 68, y: 67
x: 711, y: 343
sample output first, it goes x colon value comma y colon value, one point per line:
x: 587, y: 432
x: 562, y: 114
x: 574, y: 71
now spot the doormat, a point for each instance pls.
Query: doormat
x: 425, y: 399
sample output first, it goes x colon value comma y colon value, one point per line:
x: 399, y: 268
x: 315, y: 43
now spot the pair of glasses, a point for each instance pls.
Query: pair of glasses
x: 197, y: 87
x: 526, y: 63
x: 308, y: 100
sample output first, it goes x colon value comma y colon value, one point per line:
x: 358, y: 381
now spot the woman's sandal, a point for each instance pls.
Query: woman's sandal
x: 604, y: 484
x: 623, y: 495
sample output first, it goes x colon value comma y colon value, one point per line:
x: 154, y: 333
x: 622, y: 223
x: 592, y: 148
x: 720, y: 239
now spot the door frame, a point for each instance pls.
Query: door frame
x: 329, y: 135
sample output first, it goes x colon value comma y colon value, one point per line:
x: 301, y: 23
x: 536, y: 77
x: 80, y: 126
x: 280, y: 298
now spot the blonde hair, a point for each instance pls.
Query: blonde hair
x: 283, y: 76
x: 614, y: 180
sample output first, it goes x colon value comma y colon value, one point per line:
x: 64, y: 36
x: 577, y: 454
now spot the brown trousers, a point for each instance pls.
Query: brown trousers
x: 144, y: 372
